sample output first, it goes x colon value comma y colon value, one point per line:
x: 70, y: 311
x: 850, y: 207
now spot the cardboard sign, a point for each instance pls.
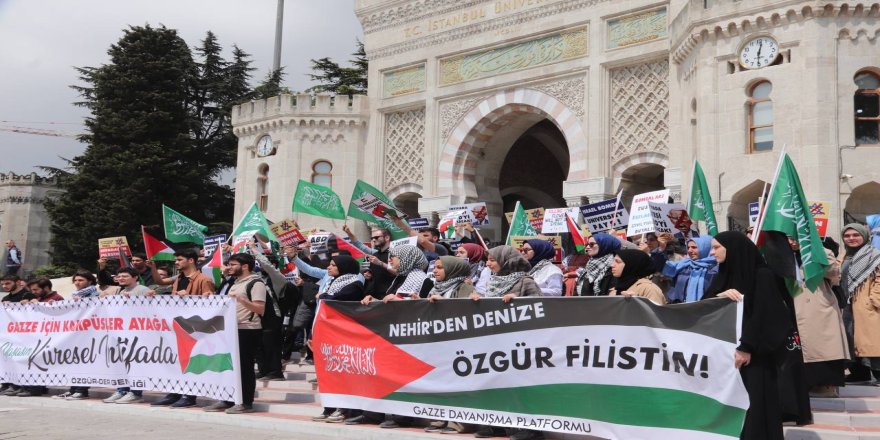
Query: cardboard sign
x: 672, y: 218
x: 412, y: 241
x: 377, y: 208
x: 418, y: 223
x: 819, y: 211
x: 109, y: 247
x: 448, y: 223
x: 640, y: 220
x: 517, y: 242
x: 556, y: 220
x: 598, y: 216
x: 535, y: 216
x: 212, y: 242
x: 287, y: 233
x: 318, y: 242
x: 754, y: 210
x: 477, y: 213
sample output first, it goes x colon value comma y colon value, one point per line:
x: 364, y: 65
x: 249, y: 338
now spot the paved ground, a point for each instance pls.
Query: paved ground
x: 20, y: 420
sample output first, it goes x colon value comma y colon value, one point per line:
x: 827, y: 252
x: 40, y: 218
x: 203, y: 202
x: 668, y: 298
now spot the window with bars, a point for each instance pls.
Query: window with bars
x: 322, y: 173
x: 760, y: 117
x: 263, y: 188
x: 867, y: 108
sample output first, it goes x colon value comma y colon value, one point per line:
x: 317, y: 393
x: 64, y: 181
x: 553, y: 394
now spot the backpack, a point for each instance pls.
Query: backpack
x: 272, y: 315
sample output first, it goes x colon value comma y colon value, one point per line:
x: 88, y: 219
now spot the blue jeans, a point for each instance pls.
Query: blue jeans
x: 125, y: 390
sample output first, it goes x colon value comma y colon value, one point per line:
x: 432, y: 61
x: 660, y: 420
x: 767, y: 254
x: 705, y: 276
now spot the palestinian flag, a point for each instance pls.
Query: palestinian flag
x: 213, y: 267
x: 535, y: 370
x: 579, y: 243
x: 343, y: 245
x: 157, y: 250
x: 201, y: 346
x: 447, y: 228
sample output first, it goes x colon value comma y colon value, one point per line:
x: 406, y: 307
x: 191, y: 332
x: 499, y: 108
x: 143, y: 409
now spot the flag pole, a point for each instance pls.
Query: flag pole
x: 509, y: 231
x: 616, y: 205
x: 769, y: 197
x: 691, y: 189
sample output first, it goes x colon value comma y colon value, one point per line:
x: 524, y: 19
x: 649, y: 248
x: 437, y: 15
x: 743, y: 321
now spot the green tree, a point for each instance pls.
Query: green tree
x: 333, y: 78
x: 271, y: 85
x: 158, y: 132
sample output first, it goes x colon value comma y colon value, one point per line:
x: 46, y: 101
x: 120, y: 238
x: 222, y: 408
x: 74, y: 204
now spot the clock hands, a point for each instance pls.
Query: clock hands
x: 758, y: 57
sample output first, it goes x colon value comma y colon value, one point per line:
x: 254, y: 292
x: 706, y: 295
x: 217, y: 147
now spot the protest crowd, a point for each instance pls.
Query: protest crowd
x: 793, y: 346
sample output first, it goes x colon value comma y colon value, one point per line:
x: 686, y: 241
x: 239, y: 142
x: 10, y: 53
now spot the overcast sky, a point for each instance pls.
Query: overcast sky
x: 43, y: 39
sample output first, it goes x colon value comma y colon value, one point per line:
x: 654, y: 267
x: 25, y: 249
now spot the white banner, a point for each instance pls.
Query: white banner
x: 555, y: 220
x: 640, y: 220
x: 185, y: 345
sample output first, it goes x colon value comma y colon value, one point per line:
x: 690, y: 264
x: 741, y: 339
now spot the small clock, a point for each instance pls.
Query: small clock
x: 759, y: 52
x: 265, y: 146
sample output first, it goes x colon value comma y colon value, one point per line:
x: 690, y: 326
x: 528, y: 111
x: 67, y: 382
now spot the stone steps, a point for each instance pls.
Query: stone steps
x: 855, y: 415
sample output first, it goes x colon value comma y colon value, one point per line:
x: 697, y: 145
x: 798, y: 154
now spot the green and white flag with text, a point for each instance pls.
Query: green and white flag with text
x: 254, y: 220
x: 700, y: 204
x: 362, y: 189
x: 520, y: 224
x: 611, y: 367
x: 181, y: 229
x: 317, y: 200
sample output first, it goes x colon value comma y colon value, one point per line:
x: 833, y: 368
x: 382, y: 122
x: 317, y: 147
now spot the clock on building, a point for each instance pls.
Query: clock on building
x: 265, y: 147
x: 759, y: 52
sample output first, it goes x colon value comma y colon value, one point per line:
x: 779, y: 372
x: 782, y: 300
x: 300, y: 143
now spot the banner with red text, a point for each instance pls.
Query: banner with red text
x: 612, y: 367
x: 185, y: 345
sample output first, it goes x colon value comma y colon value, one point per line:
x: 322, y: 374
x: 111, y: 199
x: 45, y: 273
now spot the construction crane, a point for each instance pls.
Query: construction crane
x: 37, y: 131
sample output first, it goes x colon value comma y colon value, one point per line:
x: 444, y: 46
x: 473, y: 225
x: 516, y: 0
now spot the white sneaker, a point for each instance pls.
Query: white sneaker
x: 116, y: 396
x: 77, y: 396
x: 130, y: 398
x: 63, y: 395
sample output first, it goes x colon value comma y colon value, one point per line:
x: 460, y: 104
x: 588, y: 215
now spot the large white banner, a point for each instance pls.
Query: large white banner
x: 186, y: 345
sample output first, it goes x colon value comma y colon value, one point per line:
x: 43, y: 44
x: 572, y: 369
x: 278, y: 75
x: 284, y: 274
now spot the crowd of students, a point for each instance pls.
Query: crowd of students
x: 810, y: 344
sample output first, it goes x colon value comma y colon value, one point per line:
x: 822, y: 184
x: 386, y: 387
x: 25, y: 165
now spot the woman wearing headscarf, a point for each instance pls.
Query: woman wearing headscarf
x: 450, y: 274
x: 596, y: 279
x: 346, y: 284
x: 823, y: 336
x: 510, y: 275
x: 409, y: 263
x: 475, y: 255
x: 632, y: 270
x: 860, y: 282
x: 692, y: 275
x: 768, y: 322
x: 547, y: 276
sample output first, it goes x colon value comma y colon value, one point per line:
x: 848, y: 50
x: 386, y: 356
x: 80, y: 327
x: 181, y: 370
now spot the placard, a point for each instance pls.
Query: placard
x: 672, y: 218
x: 212, y: 242
x: 819, y: 211
x: 108, y: 247
x: 412, y: 241
x: 535, y: 216
x: 640, y: 221
x: 556, y: 220
x: 377, y: 207
x: 318, y: 242
x: 418, y: 223
x: 287, y: 232
x: 598, y: 216
x: 754, y: 210
x: 477, y: 212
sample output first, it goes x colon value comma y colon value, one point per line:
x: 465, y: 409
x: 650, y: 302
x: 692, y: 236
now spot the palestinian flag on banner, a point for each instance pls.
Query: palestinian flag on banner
x: 343, y: 245
x: 201, y: 346
x: 579, y: 243
x: 212, y: 269
x: 157, y: 250
x: 447, y: 355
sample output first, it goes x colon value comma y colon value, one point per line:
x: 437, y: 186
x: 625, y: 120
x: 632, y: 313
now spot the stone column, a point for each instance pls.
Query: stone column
x: 672, y: 182
x: 594, y: 190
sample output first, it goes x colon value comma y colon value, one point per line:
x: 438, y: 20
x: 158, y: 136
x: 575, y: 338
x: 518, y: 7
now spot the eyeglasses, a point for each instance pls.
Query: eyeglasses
x: 525, y: 250
x: 375, y: 238
x: 592, y: 244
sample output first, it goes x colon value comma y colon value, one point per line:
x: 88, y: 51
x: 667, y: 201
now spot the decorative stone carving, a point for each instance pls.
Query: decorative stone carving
x: 412, y: 11
x: 403, y: 81
x: 639, y: 28
x: 640, y: 109
x: 568, y: 91
x: 404, y: 147
x: 452, y: 112
x: 513, y: 57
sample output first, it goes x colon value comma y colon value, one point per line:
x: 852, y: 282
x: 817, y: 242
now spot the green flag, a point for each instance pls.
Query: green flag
x: 519, y: 224
x: 700, y: 205
x: 253, y: 220
x: 788, y: 211
x: 362, y: 189
x: 317, y: 200
x: 181, y: 229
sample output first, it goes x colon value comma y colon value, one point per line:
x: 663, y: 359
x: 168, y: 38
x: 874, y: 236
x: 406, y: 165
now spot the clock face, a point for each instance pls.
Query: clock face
x: 759, y: 52
x: 264, y: 146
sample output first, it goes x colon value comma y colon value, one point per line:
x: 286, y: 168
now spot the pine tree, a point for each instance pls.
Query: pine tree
x: 333, y: 78
x: 271, y: 85
x: 150, y: 137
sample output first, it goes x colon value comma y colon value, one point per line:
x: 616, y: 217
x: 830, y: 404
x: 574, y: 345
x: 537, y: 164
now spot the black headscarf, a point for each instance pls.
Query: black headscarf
x: 739, y: 266
x: 636, y: 265
x: 346, y: 265
x: 543, y: 251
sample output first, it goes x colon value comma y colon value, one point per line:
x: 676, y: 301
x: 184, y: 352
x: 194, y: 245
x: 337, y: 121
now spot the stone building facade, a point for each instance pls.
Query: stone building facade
x: 560, y: 102
x: 23, y: 217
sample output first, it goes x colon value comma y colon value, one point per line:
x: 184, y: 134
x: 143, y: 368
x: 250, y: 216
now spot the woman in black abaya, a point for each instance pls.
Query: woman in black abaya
x: 768, y: 317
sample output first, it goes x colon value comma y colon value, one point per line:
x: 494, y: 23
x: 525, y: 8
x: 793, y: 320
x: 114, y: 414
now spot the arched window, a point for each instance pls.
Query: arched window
x: 263, y: 188
x: 321, y: 173
x: 760, y: 117
x: 867, y: 108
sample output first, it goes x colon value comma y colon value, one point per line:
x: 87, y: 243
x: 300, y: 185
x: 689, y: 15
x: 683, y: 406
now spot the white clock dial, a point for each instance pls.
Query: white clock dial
x: 264, y: 146
x: 759, y: 52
